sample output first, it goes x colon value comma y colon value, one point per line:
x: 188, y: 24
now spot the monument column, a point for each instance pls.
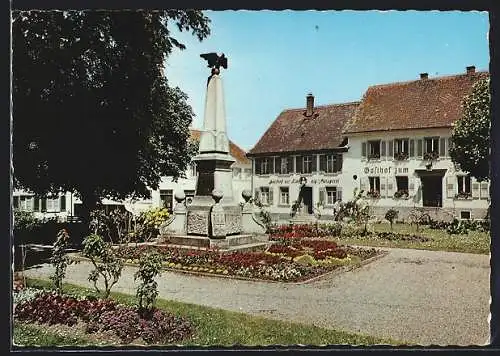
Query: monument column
x: 214, y: 161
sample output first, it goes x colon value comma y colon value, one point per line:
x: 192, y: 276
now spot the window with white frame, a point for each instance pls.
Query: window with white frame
x: 331, y: 161
x: 264, y: 195
x: 374, y: 149
x: 374, y: 185
x: 53, y: 204
x: 264, y: 166
x: 26, y: 203
x: 307, y: 164
x: 331, y: 195
x: 464, y: 185
x: 284, y: 196
x: 401, y: 148
x: 431, y: 147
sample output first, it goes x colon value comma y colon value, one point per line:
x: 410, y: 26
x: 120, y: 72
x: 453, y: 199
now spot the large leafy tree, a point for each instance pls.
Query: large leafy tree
x: 93, y: 111
x: 471, y: 133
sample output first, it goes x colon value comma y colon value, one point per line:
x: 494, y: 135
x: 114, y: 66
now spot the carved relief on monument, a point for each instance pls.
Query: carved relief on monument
x: 233, y: 223
x: 197, y: 222
x: 222, y: 143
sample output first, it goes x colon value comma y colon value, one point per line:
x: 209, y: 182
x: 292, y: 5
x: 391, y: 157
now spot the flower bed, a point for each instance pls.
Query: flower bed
x: 287, y: 261
x: 103, y: 315
x: 284, y: 232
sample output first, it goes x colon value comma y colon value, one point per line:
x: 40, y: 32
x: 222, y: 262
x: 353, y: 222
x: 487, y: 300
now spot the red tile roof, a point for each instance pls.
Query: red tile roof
x: 292, y: 131
x: 418, y: 104
x: 237, y: 152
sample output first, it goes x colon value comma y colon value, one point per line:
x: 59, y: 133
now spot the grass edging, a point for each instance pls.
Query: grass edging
x: 215, y: 326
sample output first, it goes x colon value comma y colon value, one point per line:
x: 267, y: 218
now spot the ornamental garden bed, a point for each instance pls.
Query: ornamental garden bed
x: 287, y: 260
x: 99, y: 320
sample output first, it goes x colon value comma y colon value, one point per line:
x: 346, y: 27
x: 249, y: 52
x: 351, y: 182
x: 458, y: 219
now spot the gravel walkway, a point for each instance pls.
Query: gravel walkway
x: 425, y: 297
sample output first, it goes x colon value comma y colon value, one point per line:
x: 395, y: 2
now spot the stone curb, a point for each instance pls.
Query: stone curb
x: 334, y: 272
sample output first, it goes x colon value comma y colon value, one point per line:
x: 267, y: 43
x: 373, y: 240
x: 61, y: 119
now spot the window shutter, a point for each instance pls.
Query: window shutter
x: 322, y: 196
x: 16, y: 202
x: 420, y: 148
x: 36, y: 205
x: 475, y: 189
x: 363, y: 150
x: 289, y: 164
x: 390, y: 186
x: 257, y: 194
x: 271, y: 165
x: 314, y: 164
x: 450, y: 144
x: 322, y: 163
x: 382, y: 149
x: 62, y: 204
x: 485, y: 194
x: 442, y: 147
x: 363, y: 183
x: 270, y: 195
x: 298, y: 164
x: 339, y: 194
x: 450, y: 186
x: 338, y: 163
x: 44, y: 205
x: 257, y: 166
x: 383, y: 187
x: 411, y: 186
x: 390, y: 149
x: 412, y: 148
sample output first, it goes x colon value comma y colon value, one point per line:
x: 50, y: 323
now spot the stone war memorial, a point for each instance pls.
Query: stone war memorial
x: 214, y: 218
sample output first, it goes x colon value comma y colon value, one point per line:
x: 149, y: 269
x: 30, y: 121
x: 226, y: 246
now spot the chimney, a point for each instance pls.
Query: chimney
x: 470, y: 69
x: 309, y: 104
x: 424, y: 75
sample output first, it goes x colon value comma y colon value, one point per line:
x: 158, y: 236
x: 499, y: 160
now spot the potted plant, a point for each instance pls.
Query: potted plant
x: 463, y: 195
x: 374, y: 156
x: 373, y: 194
x: 400, y: 156
x: 401, y: 194
x: 430, y: 156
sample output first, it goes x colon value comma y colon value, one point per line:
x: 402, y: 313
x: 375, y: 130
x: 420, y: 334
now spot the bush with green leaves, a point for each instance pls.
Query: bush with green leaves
x: 150, y: 265
x: 25, y: 220
x: 59, y: 259
x: 391, y: 215
x: 106, y: 263
x: 149, y: 223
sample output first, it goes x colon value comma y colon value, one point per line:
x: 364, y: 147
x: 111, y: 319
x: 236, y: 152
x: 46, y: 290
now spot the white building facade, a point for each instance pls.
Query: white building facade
x: 67, y: 206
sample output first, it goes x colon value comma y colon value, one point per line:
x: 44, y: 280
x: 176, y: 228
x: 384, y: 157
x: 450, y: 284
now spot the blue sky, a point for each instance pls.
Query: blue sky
x: 276, y: 57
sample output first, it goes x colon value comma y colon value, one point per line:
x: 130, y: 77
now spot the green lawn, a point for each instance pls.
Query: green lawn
x: 474, y: 242
x: 213, y: 327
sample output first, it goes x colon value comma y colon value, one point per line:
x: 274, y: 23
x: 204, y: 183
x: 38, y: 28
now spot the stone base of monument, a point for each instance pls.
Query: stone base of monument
x: 228, y: 244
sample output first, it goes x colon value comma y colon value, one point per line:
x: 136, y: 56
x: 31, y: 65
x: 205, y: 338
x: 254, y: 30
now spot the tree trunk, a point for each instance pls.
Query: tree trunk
x: 89, y: 203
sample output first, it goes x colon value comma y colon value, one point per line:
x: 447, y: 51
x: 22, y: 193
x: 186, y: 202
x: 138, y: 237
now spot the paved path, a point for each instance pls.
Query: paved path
x: 427, y: 297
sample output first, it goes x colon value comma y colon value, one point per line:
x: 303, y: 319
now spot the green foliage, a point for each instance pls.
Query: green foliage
x: 59, y: 259
x: 471, y: 133
x: 150, y: 265
x: 391, y: 215
x: 95, y: 81
x: 419, y: 216
x: 106, y: 264
x: 25, y: 221
x: 148, y: 224
x: 114, y: 224
x: 264, y: 214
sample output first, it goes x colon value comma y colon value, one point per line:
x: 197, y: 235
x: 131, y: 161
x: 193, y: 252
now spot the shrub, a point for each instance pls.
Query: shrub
x: 456, y: 227
x: 25, y: 295
x: 149, y: 267
x: 149, y: 223
x: 305, y: 260
x: 391, y: 215
x: 59, y: 259
x: 106, y: 263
